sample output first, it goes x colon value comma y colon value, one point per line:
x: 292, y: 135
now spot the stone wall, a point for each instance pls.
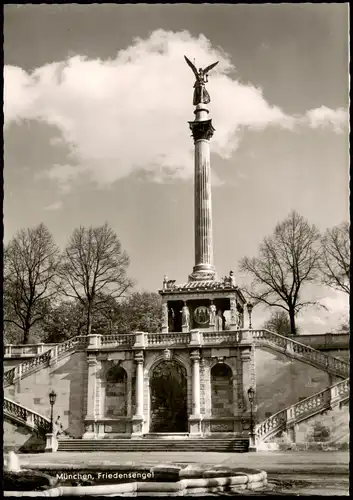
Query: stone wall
x: 18, y: 438
x: 282, y: 381
x: 332, y: 426
x: 67, y: 379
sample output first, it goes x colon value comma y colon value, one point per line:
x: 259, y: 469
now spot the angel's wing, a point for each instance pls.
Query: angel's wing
x: 206, y: 70
x: 191, y: 66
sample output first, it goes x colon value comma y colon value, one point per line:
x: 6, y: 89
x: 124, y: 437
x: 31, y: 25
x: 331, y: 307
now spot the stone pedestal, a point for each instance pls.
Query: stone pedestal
x: 252, y: 442
x: 137, y: 426
x: 51, y: 445
x: 195, y: 425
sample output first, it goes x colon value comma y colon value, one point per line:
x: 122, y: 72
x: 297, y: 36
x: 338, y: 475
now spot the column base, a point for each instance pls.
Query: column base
x: 51, y: 445
x: 137, y: 426
x: 195, y: 425
x: 204, y: 275
x: 90, y: 429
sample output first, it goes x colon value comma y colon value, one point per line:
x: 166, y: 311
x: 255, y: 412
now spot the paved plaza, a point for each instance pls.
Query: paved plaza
x: 299, y: 473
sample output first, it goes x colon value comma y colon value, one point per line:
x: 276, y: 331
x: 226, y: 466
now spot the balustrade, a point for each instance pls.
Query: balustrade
x: 118, y: 340
x: 172, y: 338
x: 222, y: 336
x: 271, y: 426
x: 26, y: 415
x: 301, y: 410
x: 289, y: 345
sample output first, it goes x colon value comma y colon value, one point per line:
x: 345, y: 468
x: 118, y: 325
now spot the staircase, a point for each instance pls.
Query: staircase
x: 307, y: 408
x: 301, y: 352
x: 237, y: 445
x: 272, y: 426
x: 26, y: 417
x: 32, y: 365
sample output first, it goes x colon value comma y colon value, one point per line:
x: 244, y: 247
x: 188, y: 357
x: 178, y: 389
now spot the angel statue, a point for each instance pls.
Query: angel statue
x: 200, y: 93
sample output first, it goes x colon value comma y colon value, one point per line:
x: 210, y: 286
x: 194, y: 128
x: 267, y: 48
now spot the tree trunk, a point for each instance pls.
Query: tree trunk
x: 26, y: 334
x: 89, y: 318
x: 291, y: 313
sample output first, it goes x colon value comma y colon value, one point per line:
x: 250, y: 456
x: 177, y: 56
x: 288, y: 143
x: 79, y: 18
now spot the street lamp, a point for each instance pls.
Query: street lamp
x: 110, y: 321
x: 249, y: 307
x: 52, y: 399
x: 251, y: 396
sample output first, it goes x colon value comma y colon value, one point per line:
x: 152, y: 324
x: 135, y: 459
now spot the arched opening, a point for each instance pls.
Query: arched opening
x: 168, y: 389
x: 115, y: 403
x: 222, y: 390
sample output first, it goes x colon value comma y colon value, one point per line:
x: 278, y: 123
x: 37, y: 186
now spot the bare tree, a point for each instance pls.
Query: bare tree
x: 30, y: 270
x: 94, y: 267
x: 335, y: 259
x: 288, y: 259
x: 279, y: 323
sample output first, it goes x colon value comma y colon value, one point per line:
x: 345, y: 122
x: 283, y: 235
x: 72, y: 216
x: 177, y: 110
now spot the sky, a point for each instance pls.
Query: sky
x: 96, y: 104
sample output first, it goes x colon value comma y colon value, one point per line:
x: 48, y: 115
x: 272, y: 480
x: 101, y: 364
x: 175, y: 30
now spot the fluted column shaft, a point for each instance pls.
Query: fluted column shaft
x: 203, y: 207
x: 202, y: 131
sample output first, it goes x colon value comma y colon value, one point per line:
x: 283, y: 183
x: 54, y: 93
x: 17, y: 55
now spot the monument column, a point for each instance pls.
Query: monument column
x: 202, y: 131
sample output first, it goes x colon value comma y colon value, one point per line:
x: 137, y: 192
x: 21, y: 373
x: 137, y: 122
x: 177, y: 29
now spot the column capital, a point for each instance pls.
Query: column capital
x: 195, y: 355
x: 139, y: 357
x: 202, y: 130
x: 91, y: 360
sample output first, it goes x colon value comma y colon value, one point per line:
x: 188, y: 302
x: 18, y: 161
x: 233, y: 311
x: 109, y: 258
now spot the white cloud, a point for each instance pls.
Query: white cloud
x: 54, y: 206
x: 123, y: 115
x: 323, y: 321
x: 324, y: 117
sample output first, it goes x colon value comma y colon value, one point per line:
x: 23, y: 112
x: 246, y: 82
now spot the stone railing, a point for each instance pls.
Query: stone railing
x: 11, y: 350
x: 31, y: 364
x: 123, y: 339
x: 301, y: 351
x: 150, y: 340
x: 226, y: 336
x: 29, y: 417
x: 326, y: 341
x: 173, y: 338
x: 302, y: 410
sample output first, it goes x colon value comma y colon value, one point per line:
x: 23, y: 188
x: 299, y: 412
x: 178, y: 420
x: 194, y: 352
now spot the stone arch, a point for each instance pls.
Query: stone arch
x: 222, y: 397
x: 149, y: 367
x: 115, y: 401
x: 168, y: 389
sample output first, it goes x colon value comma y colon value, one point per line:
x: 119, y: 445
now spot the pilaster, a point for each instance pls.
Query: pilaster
x: 91, y: 415
x: 247, y: 378
x: 195, y: 418
x: 138, y: 419
x: 165, y: 326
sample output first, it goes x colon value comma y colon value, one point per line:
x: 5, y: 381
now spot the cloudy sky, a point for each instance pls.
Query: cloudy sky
x: 97, y: 100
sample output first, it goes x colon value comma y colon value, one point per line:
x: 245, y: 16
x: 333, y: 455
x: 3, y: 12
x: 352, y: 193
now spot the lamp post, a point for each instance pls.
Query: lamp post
x: 111, y: 321
x: 251, y: 396
x: 249, y: 307
x: 52, y: 399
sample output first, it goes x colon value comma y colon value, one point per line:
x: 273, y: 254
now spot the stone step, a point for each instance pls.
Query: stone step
x: 237, y: 445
